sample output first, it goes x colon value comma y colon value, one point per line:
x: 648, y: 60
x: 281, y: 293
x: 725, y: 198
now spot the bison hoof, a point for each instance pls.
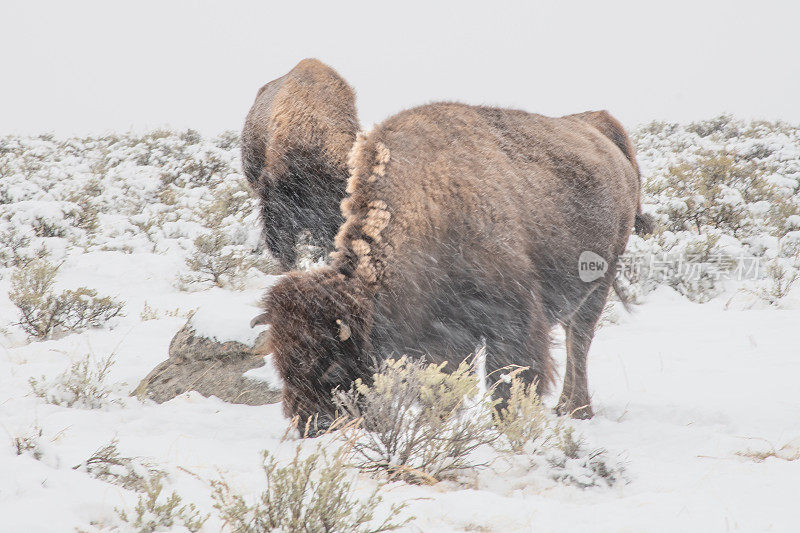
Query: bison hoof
x: 580, y: 410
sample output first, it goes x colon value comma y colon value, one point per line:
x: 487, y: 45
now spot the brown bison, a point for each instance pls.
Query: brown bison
x: 464, y: 225
x: 295, y: 143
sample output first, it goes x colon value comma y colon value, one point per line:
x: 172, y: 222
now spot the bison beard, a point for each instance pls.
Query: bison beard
x: 294, y: 154
x: 463, y: 225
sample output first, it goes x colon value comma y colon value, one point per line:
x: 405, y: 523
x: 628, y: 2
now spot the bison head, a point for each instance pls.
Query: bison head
x: 319, y: 337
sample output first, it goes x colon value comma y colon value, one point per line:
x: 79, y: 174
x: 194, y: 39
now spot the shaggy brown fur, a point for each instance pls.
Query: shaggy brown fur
x: 611, y: 128
x: 464, y: 225
x: 308, y: 305
x: 294, y: 153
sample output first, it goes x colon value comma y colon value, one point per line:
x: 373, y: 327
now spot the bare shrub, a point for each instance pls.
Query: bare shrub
x: 758, y: 151
x: 106, y: 464
x: 191, y: 136
x: 205, y: 168
x: 45, y: 227
x: 86, y: 216
x: 699, y: 268
x: 655, y: 127
x: 712, y: 192
x: 152, y: 313
x: 83, y: 384
x: 780, y: 279
x: 15, y: 248
x: 214, y: 261
x: 83, y: 308
x: 218, y: 261
x: 782, y: 212
x: 167, y: 195
x: 571, y: 464
x: 788, y: 452
x: 311, y: 495
x: 44, y: 313
x: 696, y: 266
x: 227, y: 140
x: 198, y: 169
x: 567, y: 441
x: 592, y: 470
x: 29, y: 443
x: 229, y: 199
x: 523, y: 422
x: 723, y: 126
x: 154, y: 512
x: 30, y: 288
x: 419, y: 422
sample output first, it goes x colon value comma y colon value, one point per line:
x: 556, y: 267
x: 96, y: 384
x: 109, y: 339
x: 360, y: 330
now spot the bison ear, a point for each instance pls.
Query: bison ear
x: 344, y: 330
x: 259, y: 320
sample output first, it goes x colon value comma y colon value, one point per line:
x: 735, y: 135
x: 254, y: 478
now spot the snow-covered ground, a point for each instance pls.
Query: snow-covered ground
x: 680, y: 389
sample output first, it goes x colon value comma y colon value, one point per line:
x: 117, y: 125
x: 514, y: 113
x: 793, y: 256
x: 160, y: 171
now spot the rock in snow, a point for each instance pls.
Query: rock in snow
x: 211, y: 358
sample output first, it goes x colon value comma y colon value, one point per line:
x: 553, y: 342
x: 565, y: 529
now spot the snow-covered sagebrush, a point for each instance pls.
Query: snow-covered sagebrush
x: 726, y: 198
x: 162, y: 192
x: 695, y: 425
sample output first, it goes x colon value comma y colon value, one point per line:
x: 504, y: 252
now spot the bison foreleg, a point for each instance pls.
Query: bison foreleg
x: 525, y: 344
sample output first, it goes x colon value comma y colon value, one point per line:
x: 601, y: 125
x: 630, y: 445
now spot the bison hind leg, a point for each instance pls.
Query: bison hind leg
x: 580, y: 327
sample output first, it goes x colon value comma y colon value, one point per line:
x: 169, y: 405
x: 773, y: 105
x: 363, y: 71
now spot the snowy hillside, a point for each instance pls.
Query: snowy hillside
x: 697, y: 422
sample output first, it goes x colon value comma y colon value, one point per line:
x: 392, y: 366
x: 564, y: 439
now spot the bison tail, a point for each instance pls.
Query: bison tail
x: 623, y: 296
x: 644, y: 224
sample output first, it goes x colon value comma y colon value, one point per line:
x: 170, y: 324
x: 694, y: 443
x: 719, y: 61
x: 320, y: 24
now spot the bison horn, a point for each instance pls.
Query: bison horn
x: 344, y: 330
x: 259, y: 320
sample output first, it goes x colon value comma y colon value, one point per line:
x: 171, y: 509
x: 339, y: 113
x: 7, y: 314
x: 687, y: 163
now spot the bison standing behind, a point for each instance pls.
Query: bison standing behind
x: 294, y: 152
x: 463, y: 225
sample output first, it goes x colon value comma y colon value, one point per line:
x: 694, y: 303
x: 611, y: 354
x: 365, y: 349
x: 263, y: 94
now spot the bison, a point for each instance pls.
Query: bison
x: 295, y: 143
x: 464, y: 225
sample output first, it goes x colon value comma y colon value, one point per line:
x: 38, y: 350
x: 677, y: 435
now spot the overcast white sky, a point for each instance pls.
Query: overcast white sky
x: 80, y: 67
